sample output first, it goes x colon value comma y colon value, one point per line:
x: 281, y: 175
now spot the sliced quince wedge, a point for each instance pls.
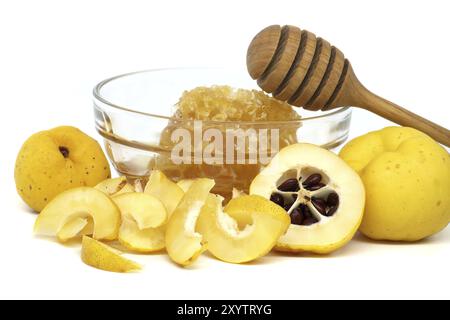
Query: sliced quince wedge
x: 183, y: 243
x: 185, y: 184
x: 78, y: 212
x: 103, y: 257
x: 75, y: 227
x: 266, y: 222
x: 236, y: 193
x: 164, y: 189
x: 143, y: 217
x: 115, y: 187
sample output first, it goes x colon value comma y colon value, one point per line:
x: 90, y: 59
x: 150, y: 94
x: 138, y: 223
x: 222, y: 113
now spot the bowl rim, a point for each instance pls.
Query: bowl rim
x: 98, y: 96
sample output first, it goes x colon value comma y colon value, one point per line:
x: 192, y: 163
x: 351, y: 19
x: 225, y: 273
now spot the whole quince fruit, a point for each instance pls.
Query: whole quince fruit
x: 56, y: 160
x: 407, y: 180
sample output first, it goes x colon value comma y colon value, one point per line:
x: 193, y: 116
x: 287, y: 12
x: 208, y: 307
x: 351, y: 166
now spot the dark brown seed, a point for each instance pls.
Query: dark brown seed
x: 333, y: 199
x: 305, y: 211
x: 277, y: 198
x: 309, y: 221
x: 64, y: 151
x: 312, y: 180
x: 331, y: 211
x: 290, y: 185
x: 315, y: 187
x: 320, y: 205
x: 296, y: 217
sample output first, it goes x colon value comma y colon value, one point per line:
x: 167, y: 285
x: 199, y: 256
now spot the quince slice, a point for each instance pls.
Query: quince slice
x: 323, y: 196
x: 115, y: 187
x: 103, y: 257
x: 236, y: 193
x: 143, y: 216
x: 183, y: 243
x: 185, y: 184
x: 164, y: 189
x: 75, y: 227
x: 77, y: 212
x: 265, y: 223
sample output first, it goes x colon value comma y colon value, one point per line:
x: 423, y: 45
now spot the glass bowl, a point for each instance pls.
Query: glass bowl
x: 134, y: 113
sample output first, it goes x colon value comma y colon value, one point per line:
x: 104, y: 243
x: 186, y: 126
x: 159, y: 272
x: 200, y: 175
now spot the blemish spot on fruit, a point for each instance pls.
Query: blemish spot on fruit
x: 45, y: 199
x: 438, y: 203
x: 397, y: 166
x: 30, y: 187
x: 388, y: 168
x: 64, y: 151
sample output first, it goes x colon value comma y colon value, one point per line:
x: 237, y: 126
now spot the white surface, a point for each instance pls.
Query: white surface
x: 53, y: 52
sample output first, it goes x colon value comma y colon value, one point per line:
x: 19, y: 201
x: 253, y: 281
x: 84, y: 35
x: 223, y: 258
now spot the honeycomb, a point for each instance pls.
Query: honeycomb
x: 224, y: 103
x: 225, y: 108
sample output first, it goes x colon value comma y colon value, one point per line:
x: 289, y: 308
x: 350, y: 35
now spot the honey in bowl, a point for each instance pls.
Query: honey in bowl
x: 137, y: 114
x: 205, y: 122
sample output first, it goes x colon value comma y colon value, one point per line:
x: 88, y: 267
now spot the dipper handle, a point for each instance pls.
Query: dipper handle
x: 296, y: 66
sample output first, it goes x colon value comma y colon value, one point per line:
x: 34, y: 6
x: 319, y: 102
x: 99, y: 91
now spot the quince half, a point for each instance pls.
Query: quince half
x: 323, y: 196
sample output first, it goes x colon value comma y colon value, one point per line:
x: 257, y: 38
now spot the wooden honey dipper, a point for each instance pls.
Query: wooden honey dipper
x: 296, y: 66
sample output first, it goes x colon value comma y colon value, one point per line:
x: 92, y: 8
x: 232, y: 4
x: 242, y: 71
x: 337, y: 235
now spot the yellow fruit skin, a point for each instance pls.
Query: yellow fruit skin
x: 407, y: 180
x: 42, y: 172
x: 319, y: 249
x: 100, y: 256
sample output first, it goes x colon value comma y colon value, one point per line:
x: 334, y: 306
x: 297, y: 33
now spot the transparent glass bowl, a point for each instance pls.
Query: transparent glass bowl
x: 134, y: 114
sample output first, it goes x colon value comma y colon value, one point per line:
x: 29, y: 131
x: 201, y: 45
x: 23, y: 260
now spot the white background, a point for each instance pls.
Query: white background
x: 53, y: 52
